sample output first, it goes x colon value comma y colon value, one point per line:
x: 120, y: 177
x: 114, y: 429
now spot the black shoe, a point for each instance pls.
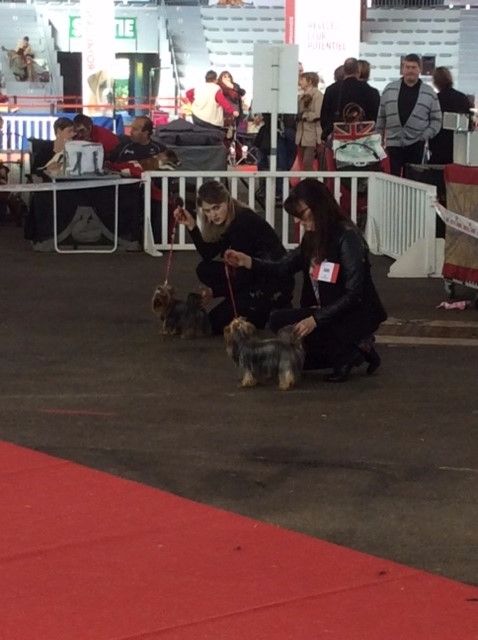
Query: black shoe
x: 373, y: 359
x: 341, y: 374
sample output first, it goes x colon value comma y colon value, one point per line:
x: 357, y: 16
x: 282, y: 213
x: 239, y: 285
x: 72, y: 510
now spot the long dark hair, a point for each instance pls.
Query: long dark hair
x: 328, y: 218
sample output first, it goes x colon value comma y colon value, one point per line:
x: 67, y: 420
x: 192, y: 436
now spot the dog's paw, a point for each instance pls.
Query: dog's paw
x: 248, y: 381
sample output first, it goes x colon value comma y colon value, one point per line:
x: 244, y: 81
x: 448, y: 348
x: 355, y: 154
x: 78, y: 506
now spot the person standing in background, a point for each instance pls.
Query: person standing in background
x: 309, y: 131
x: 364, y: 76
x: 452, y: 101
x: 349, y: 90
x: 209, y: 103
x: 233, y: 94
x: 409, y: 116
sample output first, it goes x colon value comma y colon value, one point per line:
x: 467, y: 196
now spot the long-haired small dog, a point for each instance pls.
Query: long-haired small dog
x: 280, y: 358
x: 186, y: 319
x: 164, y: 160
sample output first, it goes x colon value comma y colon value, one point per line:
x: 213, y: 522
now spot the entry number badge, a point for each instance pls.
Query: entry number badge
x: 325, y: 271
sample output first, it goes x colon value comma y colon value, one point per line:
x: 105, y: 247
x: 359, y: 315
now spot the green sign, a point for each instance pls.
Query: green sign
x: 125, y: 28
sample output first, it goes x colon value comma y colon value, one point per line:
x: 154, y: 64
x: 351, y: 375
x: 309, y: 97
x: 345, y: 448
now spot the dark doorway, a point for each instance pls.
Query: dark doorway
x: 70, y: 66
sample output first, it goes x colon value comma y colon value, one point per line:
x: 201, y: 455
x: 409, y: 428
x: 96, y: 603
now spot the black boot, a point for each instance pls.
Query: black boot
x: 373, y: 359
x: 341, y: 373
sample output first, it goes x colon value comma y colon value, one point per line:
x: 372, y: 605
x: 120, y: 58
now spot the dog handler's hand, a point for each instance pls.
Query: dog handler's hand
x: 182, y: 216
x: 237, y: 259
x: 305, y: 326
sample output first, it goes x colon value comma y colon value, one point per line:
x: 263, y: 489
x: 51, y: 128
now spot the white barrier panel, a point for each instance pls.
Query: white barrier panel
x: 17, y: 130
x: 242, y: 185
x: 401, y: 219
x: 401, y: 223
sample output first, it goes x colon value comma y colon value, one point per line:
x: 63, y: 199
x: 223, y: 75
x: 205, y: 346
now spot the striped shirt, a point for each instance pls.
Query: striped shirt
x: 424, y: 122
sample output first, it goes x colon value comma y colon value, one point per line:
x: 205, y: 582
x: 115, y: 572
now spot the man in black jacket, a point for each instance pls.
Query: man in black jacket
x: 341, y: 93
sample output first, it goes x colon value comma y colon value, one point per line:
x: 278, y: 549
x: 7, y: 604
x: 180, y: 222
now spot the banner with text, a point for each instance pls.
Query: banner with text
x: 327, y: 33
x: 98, y: 28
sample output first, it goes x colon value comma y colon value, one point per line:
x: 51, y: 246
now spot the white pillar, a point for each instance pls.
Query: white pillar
x: 97, y: 27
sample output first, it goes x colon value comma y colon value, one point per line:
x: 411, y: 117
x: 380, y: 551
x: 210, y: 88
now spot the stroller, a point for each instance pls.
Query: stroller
x: 353, y: 146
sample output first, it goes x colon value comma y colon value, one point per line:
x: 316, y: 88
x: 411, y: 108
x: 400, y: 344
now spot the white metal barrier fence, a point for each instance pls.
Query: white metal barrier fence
x: 243, y: 186
x: 400, y: 215
x: 401, y: 223
x: 17, y: 129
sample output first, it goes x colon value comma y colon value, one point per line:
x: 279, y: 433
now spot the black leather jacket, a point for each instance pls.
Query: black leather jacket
x: 352, y: 303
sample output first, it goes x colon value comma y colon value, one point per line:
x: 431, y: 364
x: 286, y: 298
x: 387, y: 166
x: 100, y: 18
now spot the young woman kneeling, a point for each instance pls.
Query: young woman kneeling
x: 340, y: 308
x: 229, y: 224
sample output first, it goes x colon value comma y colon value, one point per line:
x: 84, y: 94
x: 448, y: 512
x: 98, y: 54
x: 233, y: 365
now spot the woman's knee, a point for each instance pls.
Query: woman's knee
x: 206, y: 272
x: 279, y: 318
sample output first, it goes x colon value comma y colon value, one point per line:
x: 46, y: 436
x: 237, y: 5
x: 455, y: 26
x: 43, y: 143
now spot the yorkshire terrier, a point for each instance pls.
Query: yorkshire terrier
x: 281, y: 357
x: 186, y: 319
x: 164, y: 160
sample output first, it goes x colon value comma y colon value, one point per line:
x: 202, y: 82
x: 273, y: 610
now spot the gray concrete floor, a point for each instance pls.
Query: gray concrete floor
x: 385, y: 465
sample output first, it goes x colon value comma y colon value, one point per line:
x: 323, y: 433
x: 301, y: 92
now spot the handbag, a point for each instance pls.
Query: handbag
x: 83, y: 158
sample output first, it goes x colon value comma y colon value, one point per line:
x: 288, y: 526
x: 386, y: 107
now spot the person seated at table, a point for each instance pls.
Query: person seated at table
x: 126, y: 159
x: 86, y: 130
x: 140, y: 144
x: 47, y: 161
x: 48, y: 154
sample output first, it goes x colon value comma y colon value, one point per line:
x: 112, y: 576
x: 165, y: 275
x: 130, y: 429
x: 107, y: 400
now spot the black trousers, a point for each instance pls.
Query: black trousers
x: 400, y: 156
x: 256, y: 308
x: 324, y: 348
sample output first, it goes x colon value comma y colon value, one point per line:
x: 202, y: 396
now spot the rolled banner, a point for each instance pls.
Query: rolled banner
x: 98, y: 26
x: 457, y: 221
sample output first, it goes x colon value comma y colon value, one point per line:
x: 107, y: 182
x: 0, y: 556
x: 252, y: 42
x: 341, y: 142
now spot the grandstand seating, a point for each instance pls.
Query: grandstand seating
x: 14, y: 24
x: 231, y: 35
x: 387, y: 34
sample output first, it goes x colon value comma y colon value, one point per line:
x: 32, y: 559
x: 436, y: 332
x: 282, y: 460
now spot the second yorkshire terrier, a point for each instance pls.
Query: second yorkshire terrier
x: 187, y: 319
x: 165, y: 160
x: 280, y: 358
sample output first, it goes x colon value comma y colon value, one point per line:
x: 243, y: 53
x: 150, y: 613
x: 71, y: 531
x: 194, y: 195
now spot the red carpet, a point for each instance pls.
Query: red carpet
x: 88, y: 556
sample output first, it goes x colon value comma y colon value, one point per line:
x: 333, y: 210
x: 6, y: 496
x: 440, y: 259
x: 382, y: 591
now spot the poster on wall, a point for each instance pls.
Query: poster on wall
x: 327, y: 33
x: 98, y: 29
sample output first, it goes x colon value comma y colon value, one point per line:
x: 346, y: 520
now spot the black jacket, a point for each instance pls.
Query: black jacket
x: 42, y: 152
x: 350, y: 307
x: 339, y: 94
x: 251, y: 234
x: 441, y: 146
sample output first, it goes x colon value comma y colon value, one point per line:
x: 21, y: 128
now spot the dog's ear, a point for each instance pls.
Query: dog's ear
x: 227, y: 332
x: 247, y: 328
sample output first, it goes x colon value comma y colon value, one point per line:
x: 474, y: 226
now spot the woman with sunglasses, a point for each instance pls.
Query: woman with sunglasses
x: 339, y: 307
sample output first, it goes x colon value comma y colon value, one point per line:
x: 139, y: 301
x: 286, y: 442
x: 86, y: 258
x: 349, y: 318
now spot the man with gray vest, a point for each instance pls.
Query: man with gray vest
x: 209, y: 103
x: 408, y: 117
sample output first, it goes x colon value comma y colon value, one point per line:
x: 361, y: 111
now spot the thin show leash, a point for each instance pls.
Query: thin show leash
x: 231, y: 291
x: 170, y: 255
x: 179, y: 203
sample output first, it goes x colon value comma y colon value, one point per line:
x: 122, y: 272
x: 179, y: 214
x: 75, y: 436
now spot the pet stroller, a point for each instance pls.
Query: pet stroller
x: 353, y: 146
